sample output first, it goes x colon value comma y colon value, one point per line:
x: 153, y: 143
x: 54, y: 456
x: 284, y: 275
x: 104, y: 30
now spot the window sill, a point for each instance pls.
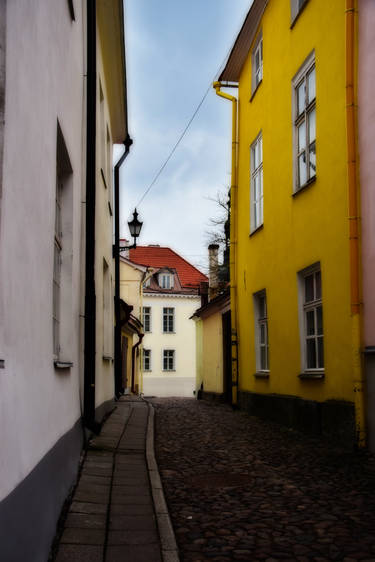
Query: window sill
x: 262, y: 375
x: 62, y: 364
x: 165, y: 333
x: 304, y: 186
x: 257, y: 229
x: 169, y: 371
x: 312, y: 375
x: 298, y: 14
x: 107, y: 358
x: 255, y: 91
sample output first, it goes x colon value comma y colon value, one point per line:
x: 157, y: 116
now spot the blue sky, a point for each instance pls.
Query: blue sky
x: 174, y: 50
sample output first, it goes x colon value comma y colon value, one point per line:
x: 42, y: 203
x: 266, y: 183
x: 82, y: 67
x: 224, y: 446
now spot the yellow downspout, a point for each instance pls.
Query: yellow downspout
x: 354, y: 227
x: 233, y: 241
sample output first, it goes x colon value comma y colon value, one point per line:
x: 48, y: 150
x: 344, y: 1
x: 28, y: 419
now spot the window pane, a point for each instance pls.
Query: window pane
x: 320, y: 353
x: 263, y: 358
x: 312, y: 160
x: 256, y: 155
x: 302, y: 169
x: 302, y: 137
x: 311, y: 85
x: 309, y: 288
x: 262, y: 306
x: 319, y: 320
x: 310, y: 354
x: 318, y: 285
x: 312, y: 129
x: 301, y: 96
x: 262, y: 333
x: 310, y: 323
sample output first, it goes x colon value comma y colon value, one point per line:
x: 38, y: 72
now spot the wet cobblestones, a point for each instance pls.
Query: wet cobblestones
x: 239, y: 488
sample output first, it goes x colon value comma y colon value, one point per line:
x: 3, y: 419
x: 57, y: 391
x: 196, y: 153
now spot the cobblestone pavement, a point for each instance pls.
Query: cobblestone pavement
x: 239, y: 488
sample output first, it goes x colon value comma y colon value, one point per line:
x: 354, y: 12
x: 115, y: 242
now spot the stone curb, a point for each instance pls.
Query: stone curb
x: 169, y: 548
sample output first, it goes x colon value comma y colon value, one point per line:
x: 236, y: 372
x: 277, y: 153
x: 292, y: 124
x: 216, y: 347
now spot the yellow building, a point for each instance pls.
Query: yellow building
x: 295, y: 288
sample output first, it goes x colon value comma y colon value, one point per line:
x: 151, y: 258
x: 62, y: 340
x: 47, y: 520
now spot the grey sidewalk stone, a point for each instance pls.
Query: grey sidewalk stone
x: 112, y: 516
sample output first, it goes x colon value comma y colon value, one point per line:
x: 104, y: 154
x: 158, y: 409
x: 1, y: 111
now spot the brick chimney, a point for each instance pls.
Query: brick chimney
x: 213, y: 270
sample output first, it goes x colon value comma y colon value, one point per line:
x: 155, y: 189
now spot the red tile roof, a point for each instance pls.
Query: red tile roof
x: 157, y: 256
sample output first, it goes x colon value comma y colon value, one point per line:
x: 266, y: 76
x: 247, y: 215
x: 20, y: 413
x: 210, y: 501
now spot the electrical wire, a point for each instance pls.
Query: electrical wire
x: 175, y: 146
x: 182, y: 134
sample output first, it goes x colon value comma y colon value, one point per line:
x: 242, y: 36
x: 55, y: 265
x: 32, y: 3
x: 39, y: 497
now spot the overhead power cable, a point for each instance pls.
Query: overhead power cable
x: 175, y: 146
x: 183, y: 133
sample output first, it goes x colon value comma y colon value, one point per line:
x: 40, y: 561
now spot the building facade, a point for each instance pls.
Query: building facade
x: 62, y: 106
x: 170, y: 297
x: 295, y: 263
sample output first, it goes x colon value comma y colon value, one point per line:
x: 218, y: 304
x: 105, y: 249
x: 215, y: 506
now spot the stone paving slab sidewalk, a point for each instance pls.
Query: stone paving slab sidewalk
x: 239, y: 488
x: 118, y: 512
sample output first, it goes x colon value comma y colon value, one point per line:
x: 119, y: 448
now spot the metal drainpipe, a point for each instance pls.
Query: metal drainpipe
x: 233, y: 241
x: 90, y: 297
x: 116, y: 253
x: 354, y: 219
x: 133, y: 358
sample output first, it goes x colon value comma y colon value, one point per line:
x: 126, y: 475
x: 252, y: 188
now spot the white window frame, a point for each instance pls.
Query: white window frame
x: 296, y: 7
x: 306, y: 307
x: 303, y: 119
x: 261, y: 323
x: 146, y: 356
x: 256, y: 173
x: 170, y: 318
x: 171, y: 356
x: 257, y: 71
x: 165, y: 280
x: 144, y: 314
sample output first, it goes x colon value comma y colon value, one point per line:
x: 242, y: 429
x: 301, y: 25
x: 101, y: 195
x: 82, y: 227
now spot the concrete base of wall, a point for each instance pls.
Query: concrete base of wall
x: 104, y: 409
x: 29, y: 514
x: 332, y: 419
x: 168, y: 386
x: 211, y: 396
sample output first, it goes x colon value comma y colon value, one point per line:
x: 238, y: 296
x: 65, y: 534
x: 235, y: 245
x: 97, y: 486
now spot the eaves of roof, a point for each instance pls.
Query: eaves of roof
x: 242, y: 44
x: 219, y: 303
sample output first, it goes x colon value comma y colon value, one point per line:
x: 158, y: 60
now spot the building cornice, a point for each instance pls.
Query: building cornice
x: 242, y: 44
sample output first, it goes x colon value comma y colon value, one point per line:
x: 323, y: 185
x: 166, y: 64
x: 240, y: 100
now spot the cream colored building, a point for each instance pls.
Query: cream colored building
x: 170, y: 297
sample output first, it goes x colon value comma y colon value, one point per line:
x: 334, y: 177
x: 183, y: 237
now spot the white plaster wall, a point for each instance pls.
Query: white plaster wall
x: 183, y: 341
x: 44, y: 82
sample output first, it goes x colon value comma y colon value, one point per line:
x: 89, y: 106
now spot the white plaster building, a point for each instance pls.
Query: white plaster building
x: 170, y: 298
x: 62, y: 106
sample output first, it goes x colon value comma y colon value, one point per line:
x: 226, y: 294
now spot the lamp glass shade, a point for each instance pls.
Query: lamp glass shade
x: 135, y: 225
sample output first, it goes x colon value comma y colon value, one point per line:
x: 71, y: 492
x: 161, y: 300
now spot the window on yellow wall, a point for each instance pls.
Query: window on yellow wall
x: 261, y: 331
x: 296, y: 7
x: 256, y: 183
x: 310, y: 285
x: 304, y: 110
x: 257, y: 63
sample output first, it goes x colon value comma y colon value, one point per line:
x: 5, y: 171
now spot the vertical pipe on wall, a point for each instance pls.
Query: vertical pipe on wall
x: 90, y: 296
x: 354, y: 229
x: 116, y: 252
x: 233, y: 241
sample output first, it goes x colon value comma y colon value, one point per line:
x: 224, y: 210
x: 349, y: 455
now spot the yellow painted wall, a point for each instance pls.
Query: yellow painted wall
x: 199, y: 352
x: 303, y: 229
x: 213, y: 353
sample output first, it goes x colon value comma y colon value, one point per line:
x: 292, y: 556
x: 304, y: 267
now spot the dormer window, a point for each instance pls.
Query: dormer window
x: 166, y: 280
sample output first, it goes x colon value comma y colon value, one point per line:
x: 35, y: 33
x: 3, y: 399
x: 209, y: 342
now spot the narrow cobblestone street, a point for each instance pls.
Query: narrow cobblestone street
x: 239, y: 488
